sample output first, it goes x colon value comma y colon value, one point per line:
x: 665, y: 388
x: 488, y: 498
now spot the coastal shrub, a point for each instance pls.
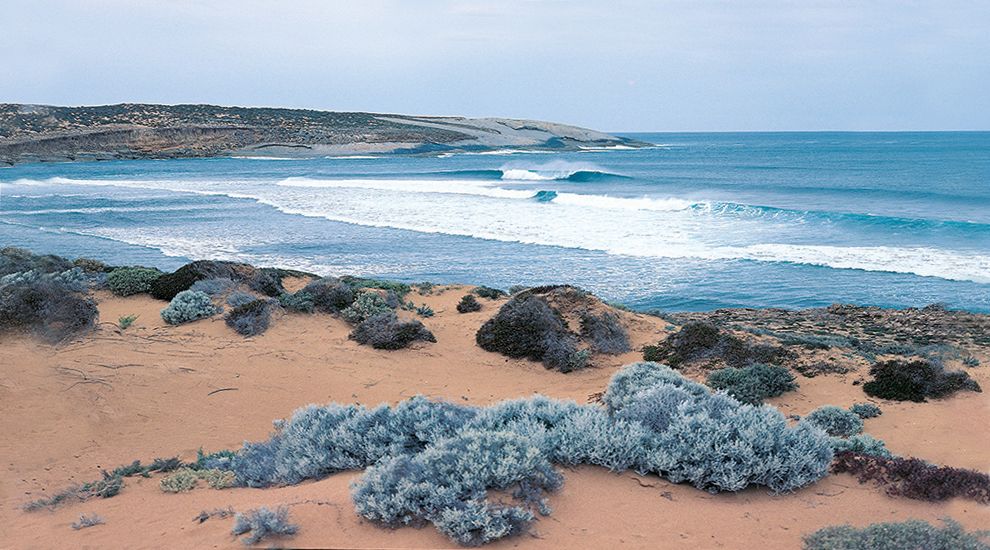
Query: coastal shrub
x: 169, y: 285
x: 836, y: 421
x: 250, y: 319
x: 267, y: 281
x: 19, y: 260
x: 516, y: 289
x: 754, y: 383
x: 108, y: 486
x: 74, y: 279
x: 425, y: 311
x: 704, y: 342
x: 263, y: 523
x: 85, y: 521
x: 125, y: 321
x: 300, y: 301
x: 47, y: 307
x: 604, y: 332
x: 398, y: 288
x: 188, y: 305
x: 127, y: 281
x: 970, y: 362
x: 527, y: 326
x: 468, y: 304
x: 914, y: 478
x: 180, y: 481
x: 90, y: 265
x: 636, y: 378
x: 214, y: 287
x: 238, y: 298
x: 366, y: 305
x: 865, y: 410
x: 915, y: 381
x: 489, y: 292
x: 905, y: 535
x: 862, y: 443
x: 447, y: 485
x: 385, y: 331
x: 329, y: 295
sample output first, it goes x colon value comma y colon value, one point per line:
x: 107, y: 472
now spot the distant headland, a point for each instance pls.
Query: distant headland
x: 44, y: 133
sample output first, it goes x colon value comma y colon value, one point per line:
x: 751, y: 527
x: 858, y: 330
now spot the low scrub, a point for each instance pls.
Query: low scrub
x: 864, y: 444
x: 604, y: 332
x: 915, y: 381
x: 238, y: 298
x: 528, y: 327
x: 20, y: 260
x: 865, y: 410
x: 329, y: 295
x: 108, y: 486
x: 87, y: 521
x: 263, y: 523
x: 754, y: 383
x: 906, y: 535
x: 914, y: 478
x: 250, y: 319
x: 435, y: 462
x: 468, y: 304
x: 169, y: 285
x: 127, y: 281
x: 300, y: 302
x: 835, y: 421
x: 214, y: 287
x: 705, y: 343
x: 189, y: 305
x: 489, y: 292
x: 187, y: 479
x: 386, y: 331
x: 367, y: 304
x: 46, y: 306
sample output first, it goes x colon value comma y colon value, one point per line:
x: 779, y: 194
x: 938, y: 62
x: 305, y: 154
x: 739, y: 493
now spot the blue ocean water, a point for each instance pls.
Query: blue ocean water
x: 699, y: 221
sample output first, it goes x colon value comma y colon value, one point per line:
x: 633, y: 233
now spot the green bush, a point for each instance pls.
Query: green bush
x: 863, y: 444
x: 302, y: 302
x: 907, y: 535
x: 468, y: 304
x: 125, y: 321
x: 915, y: 381
x: 865, y: 410
x: 127, y: 281
x: 836, y: 421
x: 188, y: 305
x: 754, y: 383
x: 489, y: 292
x: 366, y: 305
x: 385, y: 331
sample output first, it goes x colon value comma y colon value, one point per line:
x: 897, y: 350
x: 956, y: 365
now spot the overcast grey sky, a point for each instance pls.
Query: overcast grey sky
x: 613, y: 65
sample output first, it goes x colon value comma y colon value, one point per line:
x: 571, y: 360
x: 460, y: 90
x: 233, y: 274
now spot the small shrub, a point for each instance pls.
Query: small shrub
x: 302, y: 302
x: 835, y: 421
x: 87, y: 521
x: 366, y: 305
x: 127, y: 281
x: 268, y: 281
x: 385, y: 331
x: 250, y: 319
x: 169, y: 285
x: 468, y: 304
x: 180, y: 481
x: 970, y: 362
x: 526, y: 326
x: 329, y: 295
x: 865, y: 410
x: 489, y: 292
x: 906, y: 535
x: 90, y: 265
x: 604, y: 333
x: 516, y: 289
x: 754, y: 383
x: 699, y: 341
x: 125, y: 321
x: 188, y: 305
x: 914, y: 478
x: 214, y: 287
x: 239, y: 298
x: 263, y: 523
x: 915, y: 381
x: 52, y: 310
x: 862, y: 444
x: 425, y: 311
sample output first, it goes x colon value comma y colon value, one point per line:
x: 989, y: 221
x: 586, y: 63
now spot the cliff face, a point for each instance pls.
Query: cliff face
x: 31, y: 133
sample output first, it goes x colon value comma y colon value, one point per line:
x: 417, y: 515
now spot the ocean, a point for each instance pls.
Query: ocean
x: 699, y: 221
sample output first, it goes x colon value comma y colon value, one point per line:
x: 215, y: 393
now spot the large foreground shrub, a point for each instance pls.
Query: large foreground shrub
x: 46, y: 306
x: 188, y: 305
x: 386, y: 331
x: 915, y: 381
x: 906, y: 535
x: 127, y: 281
x: 526, y: 326
x: 435, y: 461
x: 754, y: 383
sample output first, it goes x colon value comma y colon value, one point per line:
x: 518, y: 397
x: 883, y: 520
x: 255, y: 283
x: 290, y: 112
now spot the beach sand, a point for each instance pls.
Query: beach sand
x: 111, y: 397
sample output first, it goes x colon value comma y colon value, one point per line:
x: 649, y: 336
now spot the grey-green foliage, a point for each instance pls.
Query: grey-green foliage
x: 754, y: 383
x: 366, y: 304
x: 74, y: 279
x: 188, y: 305
x: 656, y: 422
x: 906, y: 535
x: 262, y: 523
x: 127, y: 281
x: 865, y: 410
x: 861, y: 443
x: 836, y: 421
x: 87, y: 521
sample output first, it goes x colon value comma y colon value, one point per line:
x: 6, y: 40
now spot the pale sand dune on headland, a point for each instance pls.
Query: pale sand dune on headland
x: 111, y: 397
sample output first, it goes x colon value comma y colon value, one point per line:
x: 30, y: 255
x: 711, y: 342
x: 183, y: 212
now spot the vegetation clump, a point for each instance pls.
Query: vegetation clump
x: 915, y: 381
x: 127, y: 281
x: 189, y: 305
x: 167, y: 286
x: 865, y: 410
x: 214, y: 287
x: 87, y: 521
x: 366, y: 305
x: 262, y: 523
x: 125, y: 321
x: 489, y: 292
x: 386, y: 331
x: 863, y: 444
x: 301, y: 302
x: 604, y: 332
x: 468, y: 304
x: 250, y: 319
x: 906, y: 535
x: 914, y: 478
x: 835, y: 421
x: 49, y: 307
x: 329, y: 295
x: 703, y: 342
x: 754, y: 383
x: 186, y: 479
x: 527, y: 326
x: 238, y: 298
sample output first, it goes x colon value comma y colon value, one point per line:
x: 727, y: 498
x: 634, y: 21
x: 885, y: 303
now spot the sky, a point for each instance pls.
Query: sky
x: 613, y: 65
